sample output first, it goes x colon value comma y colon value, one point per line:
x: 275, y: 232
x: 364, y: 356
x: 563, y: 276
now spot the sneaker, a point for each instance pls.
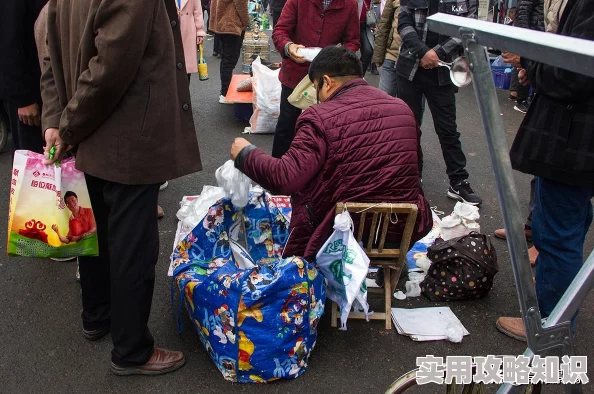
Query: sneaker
x: 62, y: 259
x: 215, y: 54
x: 163, y: 186
x: 464, y: 193
x: 512, y: 97
x: 223, y: 100
x: 95, y: 335
x: 522, y: 106
x: 77, y: 271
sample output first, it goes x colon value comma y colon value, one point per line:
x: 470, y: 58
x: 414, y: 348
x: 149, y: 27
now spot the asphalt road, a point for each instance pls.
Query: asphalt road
x: 43, y: 349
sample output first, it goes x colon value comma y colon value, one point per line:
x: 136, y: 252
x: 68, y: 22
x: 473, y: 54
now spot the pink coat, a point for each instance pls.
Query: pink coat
x: 192, y: 26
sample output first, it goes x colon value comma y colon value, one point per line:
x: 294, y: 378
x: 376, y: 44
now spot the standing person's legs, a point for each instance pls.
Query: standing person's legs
x: 206, y: 11
x: 366, y: 48
x: 133, y: 239
x: 531, y: 203
x: 275, y: 17
x: 231, y: 50
x: 95, y: 271
x: 217, y: 45
x: 562, y: 216
x: 442, y: 103
x: 412, y: 94
x: 24, y: 137
x: 285, y: 126
x: 388, y: 81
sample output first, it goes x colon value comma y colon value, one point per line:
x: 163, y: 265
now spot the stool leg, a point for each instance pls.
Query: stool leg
x: 388, y: 296
x: 334, y: 315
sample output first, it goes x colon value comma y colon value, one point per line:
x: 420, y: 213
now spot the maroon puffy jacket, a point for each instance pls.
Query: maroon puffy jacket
x: 305, y: 22
x: 360, y: 145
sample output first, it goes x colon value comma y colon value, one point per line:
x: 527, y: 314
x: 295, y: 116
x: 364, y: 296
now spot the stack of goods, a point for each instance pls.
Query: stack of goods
x: 255, y: 43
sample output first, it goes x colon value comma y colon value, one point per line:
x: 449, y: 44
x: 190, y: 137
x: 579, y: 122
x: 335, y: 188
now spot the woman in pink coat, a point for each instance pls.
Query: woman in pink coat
x: 192, y: 31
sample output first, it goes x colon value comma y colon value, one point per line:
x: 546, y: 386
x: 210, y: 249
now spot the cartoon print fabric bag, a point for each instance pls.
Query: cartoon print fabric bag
x: 344, y: 264
x: 50, y: 211
x: 258, y: 323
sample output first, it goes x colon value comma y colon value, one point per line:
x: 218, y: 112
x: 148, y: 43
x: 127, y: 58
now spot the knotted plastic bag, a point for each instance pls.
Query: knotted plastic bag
x: 344, y: 264
x: 461, y: 222
x: 235, y: 183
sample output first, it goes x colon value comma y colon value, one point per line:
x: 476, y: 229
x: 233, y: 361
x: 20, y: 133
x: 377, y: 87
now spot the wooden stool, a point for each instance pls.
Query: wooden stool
x: 390, y: 260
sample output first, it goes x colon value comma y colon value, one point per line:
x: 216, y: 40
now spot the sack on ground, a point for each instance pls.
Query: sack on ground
x: 50, y: 212
x: 266, y: 98
x: 255, y: 313
x: 462, y: 268
x: 344, y: 264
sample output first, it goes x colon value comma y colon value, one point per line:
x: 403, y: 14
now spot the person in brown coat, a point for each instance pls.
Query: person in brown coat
x: 114, y: 86
x: 228, y: 20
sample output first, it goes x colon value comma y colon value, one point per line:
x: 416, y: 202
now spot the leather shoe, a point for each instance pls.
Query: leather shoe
x: 161, y: 362
x: 513, y: 327
x: 95, y: 335
x: 501, y: 234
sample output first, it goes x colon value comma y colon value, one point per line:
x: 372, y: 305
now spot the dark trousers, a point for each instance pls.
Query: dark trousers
x: 285, y: 126
x: 522, y: 92
x: 24, y: 137
x: 275, y: 17
x: 442, y: 103
x: 117, y: 286
x: 230, y: 52
x: 366, y: 48
x: 218, y: 45
x: 562, y: 217
x: 206, y: 17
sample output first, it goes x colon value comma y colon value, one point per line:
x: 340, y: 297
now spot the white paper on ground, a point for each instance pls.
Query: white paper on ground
x: 425, y: 324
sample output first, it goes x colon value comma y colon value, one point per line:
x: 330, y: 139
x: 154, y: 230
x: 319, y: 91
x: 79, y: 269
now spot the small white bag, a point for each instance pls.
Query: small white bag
x: 461, y: 222
x: 344, y: 264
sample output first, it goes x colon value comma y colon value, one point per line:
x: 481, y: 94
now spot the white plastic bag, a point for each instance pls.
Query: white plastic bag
x: 266, y: 98
x: 235, y: 183
x: 461, y: 222
x: 344, y: 264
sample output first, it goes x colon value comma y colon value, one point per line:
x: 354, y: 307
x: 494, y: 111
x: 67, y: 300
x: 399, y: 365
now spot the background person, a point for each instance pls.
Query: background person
x: 229, y: 20
x: 311, y: 23
x: 192, y: 30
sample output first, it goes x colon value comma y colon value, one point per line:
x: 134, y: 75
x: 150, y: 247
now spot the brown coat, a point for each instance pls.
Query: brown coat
x: 387, y: 39
x: 228, y: 16
x: 115, y: 85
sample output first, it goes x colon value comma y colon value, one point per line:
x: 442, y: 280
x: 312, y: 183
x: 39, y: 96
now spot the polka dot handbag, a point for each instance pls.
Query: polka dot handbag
x: 462, y: 268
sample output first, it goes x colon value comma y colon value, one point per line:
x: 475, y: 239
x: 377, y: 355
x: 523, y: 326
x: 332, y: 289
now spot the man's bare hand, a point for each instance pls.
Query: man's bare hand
x: 430, y: 60
x: 29, y: 115
x: 237, y: 146
x: 52, y: 139
x: 293, y: 53
x: 512, y: 59
x: 523, y: 77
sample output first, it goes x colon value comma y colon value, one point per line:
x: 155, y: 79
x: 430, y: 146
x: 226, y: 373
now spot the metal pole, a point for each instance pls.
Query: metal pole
x: 490, y: 111
x: 561, y: 336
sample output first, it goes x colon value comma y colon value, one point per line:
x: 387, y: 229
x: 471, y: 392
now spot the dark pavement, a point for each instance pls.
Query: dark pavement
x: 43, y: 349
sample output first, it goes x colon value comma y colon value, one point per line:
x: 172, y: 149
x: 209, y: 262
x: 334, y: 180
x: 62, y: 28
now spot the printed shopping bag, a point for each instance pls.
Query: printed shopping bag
x: 50, y: 211
x: 304, y: 94
x: 344, y: 264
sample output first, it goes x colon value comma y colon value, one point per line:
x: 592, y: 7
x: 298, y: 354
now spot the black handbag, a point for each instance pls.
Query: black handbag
x: 462, y: 268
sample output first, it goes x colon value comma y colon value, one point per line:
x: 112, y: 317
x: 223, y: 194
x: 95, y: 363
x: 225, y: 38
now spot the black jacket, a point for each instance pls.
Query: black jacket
x: 19, y: 64
x: 412, y: 28
x: 556, y: 138
x: 530, y: 15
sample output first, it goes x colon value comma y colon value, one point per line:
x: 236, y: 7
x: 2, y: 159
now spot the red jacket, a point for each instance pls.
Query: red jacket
x: 305, y: 22
x: 360, y: 145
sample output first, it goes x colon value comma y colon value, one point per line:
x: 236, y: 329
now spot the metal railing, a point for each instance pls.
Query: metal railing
x: 554, y: 336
